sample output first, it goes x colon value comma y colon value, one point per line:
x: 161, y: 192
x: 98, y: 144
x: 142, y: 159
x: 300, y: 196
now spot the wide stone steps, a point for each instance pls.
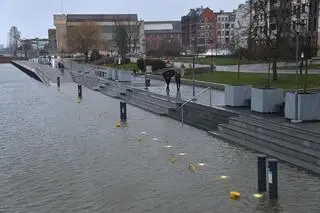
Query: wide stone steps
x: 283, y: 142
x: 282, y: 126
x: 266, y: 141
x: 149, y: 107
x: 304, y: 141
x: 271, y: 152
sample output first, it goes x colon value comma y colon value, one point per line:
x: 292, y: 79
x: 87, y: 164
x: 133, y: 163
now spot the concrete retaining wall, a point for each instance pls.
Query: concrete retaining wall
x: 26, y: 70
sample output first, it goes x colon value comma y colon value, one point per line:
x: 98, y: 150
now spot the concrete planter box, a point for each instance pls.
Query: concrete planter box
x: 114, y: 74
x: 266, y: 100
x: 237, y: 95
x: 308, y: 106
x: 109, y: 74
x: 124, y: 76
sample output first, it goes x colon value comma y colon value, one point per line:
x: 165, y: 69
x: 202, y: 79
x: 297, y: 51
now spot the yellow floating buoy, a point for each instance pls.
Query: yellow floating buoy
x: 234, y: 195
x: 192, y: 168
x: 118, y: 125
x: 223, y: 177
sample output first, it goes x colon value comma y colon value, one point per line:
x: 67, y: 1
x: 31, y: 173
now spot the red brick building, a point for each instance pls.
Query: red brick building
x: 157, y: 32
x: 199, y: 29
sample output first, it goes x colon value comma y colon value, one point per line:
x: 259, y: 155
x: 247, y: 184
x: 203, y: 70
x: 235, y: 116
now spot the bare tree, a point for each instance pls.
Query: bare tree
x: 272, y: 28
x: 127, y: 35
x: 84, y: 38
x: 26, y: 45
x: 14, y: 37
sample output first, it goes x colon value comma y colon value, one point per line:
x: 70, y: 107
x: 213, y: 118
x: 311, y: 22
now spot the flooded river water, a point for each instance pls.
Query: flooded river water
x: 58, y: 155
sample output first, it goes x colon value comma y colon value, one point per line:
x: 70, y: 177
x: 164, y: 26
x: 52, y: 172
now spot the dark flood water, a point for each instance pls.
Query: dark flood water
x: 58, y: 156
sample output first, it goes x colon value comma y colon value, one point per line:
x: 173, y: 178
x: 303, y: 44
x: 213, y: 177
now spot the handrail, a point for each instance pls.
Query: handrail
x: 193, y: 98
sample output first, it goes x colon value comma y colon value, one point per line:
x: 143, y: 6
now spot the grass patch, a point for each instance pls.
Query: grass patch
x: 128, y: 67
x: 222, y: 61
x: 285, y: 81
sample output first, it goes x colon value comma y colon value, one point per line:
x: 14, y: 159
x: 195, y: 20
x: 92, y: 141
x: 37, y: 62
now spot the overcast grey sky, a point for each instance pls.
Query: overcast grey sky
x: 34, y: 17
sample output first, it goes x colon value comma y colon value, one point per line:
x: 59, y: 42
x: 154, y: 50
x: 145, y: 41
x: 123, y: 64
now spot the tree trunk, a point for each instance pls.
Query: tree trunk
x: 269, y: 73
x: 274, y: 69
x: 305, y: 85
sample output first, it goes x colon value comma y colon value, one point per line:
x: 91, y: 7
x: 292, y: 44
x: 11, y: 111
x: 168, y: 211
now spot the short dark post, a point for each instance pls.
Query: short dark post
x: 273, y: 178
x: 262, y: 173
x: 79, y: 91
x: 58, y: 81
x: 123, y: 111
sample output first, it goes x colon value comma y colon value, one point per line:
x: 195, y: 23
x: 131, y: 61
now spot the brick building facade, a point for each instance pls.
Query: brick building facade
x: 199, y: 29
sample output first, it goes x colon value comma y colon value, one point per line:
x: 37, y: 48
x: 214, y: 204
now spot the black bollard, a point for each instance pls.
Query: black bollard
x: 123, y: 111
x: 79, y: 91
x: 262, y: 174
x: 58, y: 82
x: 273, y: 178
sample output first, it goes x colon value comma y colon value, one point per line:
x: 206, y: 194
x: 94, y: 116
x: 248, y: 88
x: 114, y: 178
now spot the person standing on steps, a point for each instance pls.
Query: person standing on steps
x: 178, y: 75
x: 167, y: 75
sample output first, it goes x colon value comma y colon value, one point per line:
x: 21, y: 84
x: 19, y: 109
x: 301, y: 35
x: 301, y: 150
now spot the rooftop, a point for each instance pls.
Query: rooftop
x: 162, y: 26
x: 101, y: 17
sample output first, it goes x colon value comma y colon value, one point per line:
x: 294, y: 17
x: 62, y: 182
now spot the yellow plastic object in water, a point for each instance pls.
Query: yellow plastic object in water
x: 118, y: 125
x: 234, y: 195
x: 173, y: 159
x: 192, y: 168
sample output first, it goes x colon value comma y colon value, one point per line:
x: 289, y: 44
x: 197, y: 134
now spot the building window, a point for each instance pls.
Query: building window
x: 219, y: 33
x: 219, y: 25
x: 227, y: 26
x: 227, y: 40
x: 227, y: 33
x: 232, y: 25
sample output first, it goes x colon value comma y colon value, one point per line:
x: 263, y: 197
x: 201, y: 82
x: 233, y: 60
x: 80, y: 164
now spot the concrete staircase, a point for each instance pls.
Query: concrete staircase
x: 288, y: 143
x: 202, y: 117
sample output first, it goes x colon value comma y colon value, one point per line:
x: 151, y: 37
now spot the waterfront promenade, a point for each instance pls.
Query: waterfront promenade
x: 81, y: 162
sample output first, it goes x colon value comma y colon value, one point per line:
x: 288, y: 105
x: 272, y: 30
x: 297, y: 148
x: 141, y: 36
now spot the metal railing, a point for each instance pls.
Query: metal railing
x: 193, y: 99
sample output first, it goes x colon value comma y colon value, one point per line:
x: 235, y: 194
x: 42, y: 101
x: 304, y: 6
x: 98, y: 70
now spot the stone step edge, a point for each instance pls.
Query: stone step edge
x: 289, y: 160
x: 273, y: 134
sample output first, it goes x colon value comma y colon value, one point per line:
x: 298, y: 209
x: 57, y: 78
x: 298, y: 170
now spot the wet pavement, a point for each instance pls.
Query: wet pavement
x: 58, y: 155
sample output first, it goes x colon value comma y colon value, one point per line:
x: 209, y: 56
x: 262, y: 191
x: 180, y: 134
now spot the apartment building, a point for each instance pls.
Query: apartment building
x: 225, y: 29
x: 199, y: 29
x: 107, y: 22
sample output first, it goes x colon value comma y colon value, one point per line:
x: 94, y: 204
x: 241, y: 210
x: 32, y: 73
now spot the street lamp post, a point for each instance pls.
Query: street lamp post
x: 211, y: 44
x: 296, y: 120
x: 193, y: 66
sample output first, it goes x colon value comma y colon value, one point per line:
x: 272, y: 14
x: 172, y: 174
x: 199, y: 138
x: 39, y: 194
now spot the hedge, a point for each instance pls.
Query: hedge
x: 156, y: 64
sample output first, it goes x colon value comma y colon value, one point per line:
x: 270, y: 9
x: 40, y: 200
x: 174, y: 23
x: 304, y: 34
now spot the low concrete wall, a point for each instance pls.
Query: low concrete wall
x: 26, y: 70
